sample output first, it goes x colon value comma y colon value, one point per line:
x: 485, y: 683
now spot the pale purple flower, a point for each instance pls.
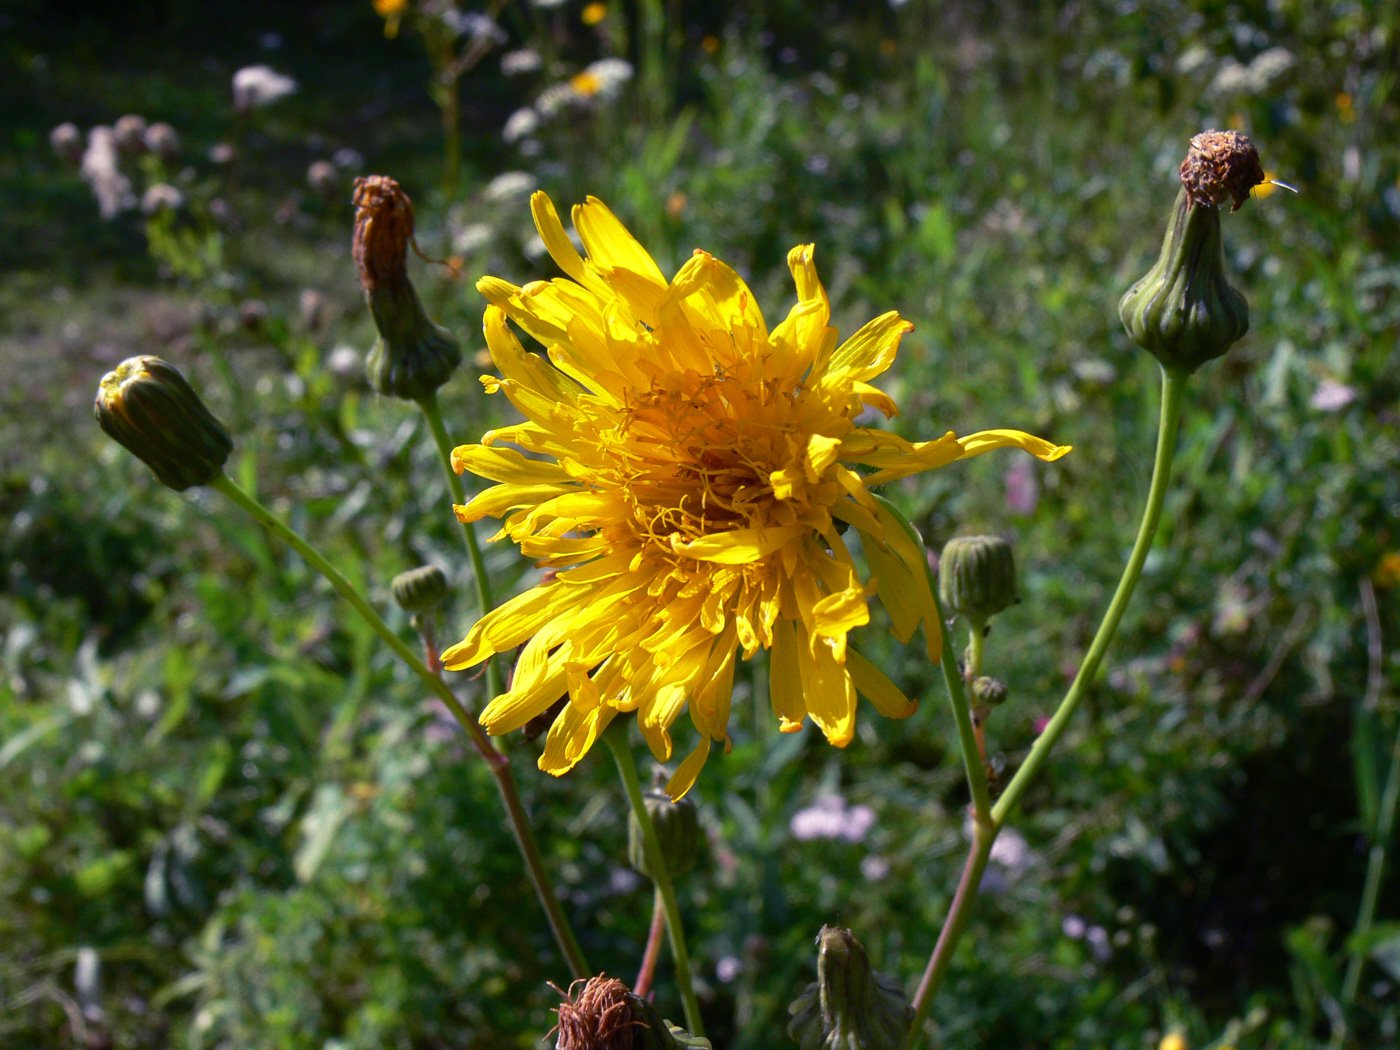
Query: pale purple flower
x: 728, y: 968
x: 830, y: 818
x: 99, y: 168
x: 67, y: 142
x: 874, y: 867
x: 526, y: 60
x: 258, y: 86
x: 1022, y: 488
x: 1330, y: 396
x: 1074, y: 927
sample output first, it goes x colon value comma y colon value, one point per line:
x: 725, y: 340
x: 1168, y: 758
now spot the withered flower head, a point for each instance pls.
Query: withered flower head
x: 383, y: 228
x: 1220, y: 166
x: 598, y: 1018
x: 605, y: 1015
x: 414, y: 356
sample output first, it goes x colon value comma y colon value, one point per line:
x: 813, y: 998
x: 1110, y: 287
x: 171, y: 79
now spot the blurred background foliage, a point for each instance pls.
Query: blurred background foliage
x: 228, y: 819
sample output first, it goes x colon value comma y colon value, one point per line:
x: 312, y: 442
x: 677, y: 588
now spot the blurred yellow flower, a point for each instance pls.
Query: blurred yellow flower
x: 594, y: 13
x: 1346, y: 108
x: 392, y: 11
x: 688, y: 477
x: 1264, y: 188
x: 586, y: 84
x: 1172, y: 1041
x: 1387, y: 571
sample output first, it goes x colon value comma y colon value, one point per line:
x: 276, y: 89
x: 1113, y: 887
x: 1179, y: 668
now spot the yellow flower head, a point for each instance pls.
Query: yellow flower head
x: 687, y: 472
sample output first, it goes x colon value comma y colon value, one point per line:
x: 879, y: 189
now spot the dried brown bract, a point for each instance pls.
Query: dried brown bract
x: 1220, y: 166
x: 383, y: 229
x: 597, y: 1018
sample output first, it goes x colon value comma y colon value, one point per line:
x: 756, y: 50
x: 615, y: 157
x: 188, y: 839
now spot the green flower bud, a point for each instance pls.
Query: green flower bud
x: 677, y: 827
x: 977, y: 576
x: 850, y: 1006
x: 1184, y: 311
x: 147, y: 407
x: 420, y: 589
x: 413, y: 356
x: 988, y: 692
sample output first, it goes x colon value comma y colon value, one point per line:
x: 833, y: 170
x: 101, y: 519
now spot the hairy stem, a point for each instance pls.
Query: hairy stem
x: 433, y: 414
x: 984, y: 834
x: 500, y: 767
x: 616, y: 739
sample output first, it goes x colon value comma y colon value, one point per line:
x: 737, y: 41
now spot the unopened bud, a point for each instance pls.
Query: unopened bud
x: 67, y: 143
x: 163, y: 141
x: 988, y: 692
x: 677, y: 827
x: 413, y: 356
x: 146, y: 405
x: 977, y: 577
x: 420, y: 589
x: 130, y: 132
x: 850, y: 1006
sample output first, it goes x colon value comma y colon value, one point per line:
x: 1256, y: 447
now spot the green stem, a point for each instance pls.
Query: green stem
x: 1173, y: 388
x: 953, y: 680
x: 983, y: 835
x: 505, y: 782
x: 616, y: 739
x: 1375, y: 865
x: 433, y: 414
x: 976, y: 643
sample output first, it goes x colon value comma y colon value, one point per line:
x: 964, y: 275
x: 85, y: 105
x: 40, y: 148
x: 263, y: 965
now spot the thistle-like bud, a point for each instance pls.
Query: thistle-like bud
x: 413, y: 356
x: 988, y: 692
x: 1184, y: 311
x: 977, y: 577
x: 419, y: 590
x: 850, y: 1006
x: 605, y: 1015
x: 147, y: 406
x: 677, y: 827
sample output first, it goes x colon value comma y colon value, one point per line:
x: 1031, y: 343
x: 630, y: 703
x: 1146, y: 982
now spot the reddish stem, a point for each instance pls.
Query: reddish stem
x: 653, y: 950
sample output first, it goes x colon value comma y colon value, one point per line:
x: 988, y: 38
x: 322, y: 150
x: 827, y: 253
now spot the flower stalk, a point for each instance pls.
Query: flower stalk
x: 498, y: 763
x: 616, y: 739
x: 985, y: 832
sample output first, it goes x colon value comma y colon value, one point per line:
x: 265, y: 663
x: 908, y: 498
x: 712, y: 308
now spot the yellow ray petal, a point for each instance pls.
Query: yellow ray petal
x: 986, y: 440
x: 830, y: 694
x: 738, y: 546
x: 610, y: 246
x: 878, y: 689
x: 688, y: 771
x: 785, y: 678
x: 561, y: 249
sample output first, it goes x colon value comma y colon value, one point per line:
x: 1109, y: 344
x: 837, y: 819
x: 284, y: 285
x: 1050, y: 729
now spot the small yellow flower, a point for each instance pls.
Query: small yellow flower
x: 586, y: 84
x: 392, y: 11
x: 1264, y: 188
x: 1172, y: 1041
x: 1387, y: 571
x: 593, y: 14
x: 709, y: 43
x: 1346, y: 108
x: 686, y: 474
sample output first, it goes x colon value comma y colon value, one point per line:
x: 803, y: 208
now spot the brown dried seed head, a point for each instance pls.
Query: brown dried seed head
x: 598, y: 1018
x: 1220, y: 166
x: 383, y: 228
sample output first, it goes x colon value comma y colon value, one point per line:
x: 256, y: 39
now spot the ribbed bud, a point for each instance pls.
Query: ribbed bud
x: 977, y: 576
x: 413, y: 356
x: 850, y: 1006
x: 147, y: 407
x: 605, y: 1015
x: 988, y: 692
x: 420, y: 589
x: 677, y: 827
x: 1183, y: 311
